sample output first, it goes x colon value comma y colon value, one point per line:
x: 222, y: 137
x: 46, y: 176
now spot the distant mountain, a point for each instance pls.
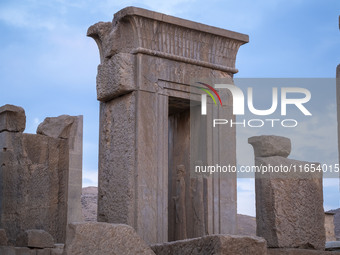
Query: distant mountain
x: 246, y: 225
x: 89, y: 203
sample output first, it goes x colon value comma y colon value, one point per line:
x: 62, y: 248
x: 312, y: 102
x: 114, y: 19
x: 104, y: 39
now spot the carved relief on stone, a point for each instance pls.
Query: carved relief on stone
x: 179, y: 201
x: 197, y: 200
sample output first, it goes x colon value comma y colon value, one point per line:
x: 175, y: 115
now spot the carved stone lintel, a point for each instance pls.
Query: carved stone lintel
x: 139, y: 31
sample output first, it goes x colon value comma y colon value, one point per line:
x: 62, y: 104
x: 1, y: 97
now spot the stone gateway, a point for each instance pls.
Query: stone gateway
x: 143, y: 84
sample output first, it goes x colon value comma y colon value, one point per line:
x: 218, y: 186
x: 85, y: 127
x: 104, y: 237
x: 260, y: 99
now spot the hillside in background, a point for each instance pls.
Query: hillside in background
x: 89, y: 203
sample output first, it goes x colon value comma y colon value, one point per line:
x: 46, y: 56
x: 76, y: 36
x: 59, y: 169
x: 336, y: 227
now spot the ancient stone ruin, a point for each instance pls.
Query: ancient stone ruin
x: 149, y: 201
x: 289, y: 206
x: 143, y: 84
x: 40, y: 174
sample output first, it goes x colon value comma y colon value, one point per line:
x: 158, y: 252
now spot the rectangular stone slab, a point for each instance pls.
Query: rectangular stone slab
x: 12, y: 118
x: 289, y: 211
x: 290, y: 251
x: 214, y: 244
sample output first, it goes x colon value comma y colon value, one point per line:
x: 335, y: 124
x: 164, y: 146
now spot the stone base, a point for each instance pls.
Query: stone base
x: 288, y: 251
x: 35, y: 238
x: 7, y: 250
x: 104, y: 238
x: 214, y: 244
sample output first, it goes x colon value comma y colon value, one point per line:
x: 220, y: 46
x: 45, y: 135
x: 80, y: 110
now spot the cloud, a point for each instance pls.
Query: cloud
x: 246, y: 197
x: 36, y: 121
x: 246, y: 184
x: 29, y: 16
x: 331, y: 182
x: 90, y: 178
x: 32, y: 125
x: 73, y: 55
x: 174, y: 7
x: 244, y: 151
x: 316, y: 139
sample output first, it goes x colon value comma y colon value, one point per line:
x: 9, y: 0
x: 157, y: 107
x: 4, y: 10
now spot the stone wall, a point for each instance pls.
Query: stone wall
x: 58, y: 250
x: 70, y: 128
x: 34, y: 177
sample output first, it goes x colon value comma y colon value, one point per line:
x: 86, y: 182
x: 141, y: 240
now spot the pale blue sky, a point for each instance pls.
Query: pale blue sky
x: 48, y: 65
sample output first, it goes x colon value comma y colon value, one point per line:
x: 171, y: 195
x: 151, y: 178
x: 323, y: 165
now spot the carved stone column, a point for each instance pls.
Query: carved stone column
x: 289, y: 203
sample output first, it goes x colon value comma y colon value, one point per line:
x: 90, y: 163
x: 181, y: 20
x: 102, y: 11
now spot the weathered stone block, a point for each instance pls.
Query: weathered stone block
x: 41, y: 199
x: 35, y: 238
x: 7, y: 250
x: 116, y: 191
x: 56, y: 127
x: 103, y: 238
x: 46, y: 251
x: 24, y: 159
x: 27, y: 251
x: 12, y: 118
x: 289, y: 207
x: 3, y: 238
x: 214, y: 244
x: 70, y: 128
x: 58, y: 249
x: 114, y: 77
x: 291, y: 251
x: 24, y: 251
x: 270, y: 145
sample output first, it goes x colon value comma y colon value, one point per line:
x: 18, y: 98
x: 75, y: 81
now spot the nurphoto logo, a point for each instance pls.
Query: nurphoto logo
x: 238, y: 97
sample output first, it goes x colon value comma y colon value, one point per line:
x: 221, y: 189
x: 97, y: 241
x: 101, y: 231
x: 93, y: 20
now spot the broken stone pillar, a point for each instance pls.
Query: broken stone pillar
x: 289, y: 203
x: 34, y: 177
x: 147, y: 62
x: 12, y: 118
x: 70, y: 128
